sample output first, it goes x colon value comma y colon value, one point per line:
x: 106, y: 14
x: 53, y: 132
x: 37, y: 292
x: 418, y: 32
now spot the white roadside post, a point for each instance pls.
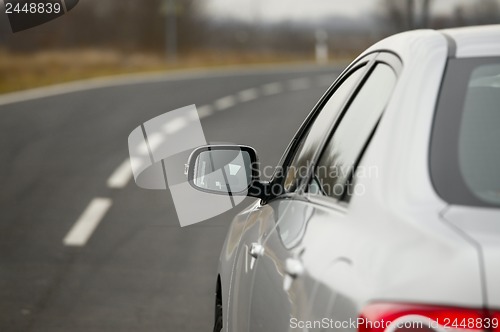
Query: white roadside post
x: 321, y: 46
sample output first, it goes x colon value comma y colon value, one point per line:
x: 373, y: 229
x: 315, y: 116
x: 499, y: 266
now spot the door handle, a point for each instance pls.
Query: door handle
x: 294, y: 267
x: 256, y: 250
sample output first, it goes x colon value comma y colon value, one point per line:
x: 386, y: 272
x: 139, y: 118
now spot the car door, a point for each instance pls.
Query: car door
x: 263, y: 220
x: 288, y: 291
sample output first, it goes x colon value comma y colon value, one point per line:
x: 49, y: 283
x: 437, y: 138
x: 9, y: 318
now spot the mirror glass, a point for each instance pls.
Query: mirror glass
x: 223, y: 171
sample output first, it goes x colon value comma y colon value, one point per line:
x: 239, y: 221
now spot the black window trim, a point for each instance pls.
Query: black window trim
x: 369, y: 61
x: 394, y: 62
x: 366, y: 61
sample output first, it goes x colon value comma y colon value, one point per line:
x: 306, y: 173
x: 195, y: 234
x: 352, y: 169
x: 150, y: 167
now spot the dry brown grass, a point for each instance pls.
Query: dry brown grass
x: 22, y: 71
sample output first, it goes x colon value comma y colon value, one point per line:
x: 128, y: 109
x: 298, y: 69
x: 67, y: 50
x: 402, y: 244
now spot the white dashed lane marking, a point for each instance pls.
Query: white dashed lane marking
x: 299, y: 84
x: 205, y: 111
x: 88, y: 222
x: 225, y: 103
x: 248, y: 95
x: 121, y: 176
x: 272, y: 88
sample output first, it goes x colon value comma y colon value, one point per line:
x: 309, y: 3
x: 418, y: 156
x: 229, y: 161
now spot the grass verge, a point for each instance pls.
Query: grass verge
x: 25, y: 71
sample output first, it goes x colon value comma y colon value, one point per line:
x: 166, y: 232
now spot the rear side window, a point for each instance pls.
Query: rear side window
x: 345, y: 147
x: 465, y: 145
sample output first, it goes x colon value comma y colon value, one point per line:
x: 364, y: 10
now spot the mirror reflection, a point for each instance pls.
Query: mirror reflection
x: 223, y: 171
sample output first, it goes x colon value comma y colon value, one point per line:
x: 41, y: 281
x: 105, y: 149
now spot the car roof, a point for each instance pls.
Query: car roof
x: 477, y: 41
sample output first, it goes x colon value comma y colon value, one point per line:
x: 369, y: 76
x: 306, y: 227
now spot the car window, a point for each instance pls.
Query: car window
x: 464, y: 154
x: 312, y: 139
x: 338, y: 160
x: 479, y: 135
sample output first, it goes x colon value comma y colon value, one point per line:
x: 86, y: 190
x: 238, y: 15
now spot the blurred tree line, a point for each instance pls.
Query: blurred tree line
x: 415, y: 14
x: 140, y: 26
x: 128, y: 25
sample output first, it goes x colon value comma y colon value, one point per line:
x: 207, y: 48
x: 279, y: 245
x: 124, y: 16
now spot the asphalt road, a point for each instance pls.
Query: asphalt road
x: 139, y: 270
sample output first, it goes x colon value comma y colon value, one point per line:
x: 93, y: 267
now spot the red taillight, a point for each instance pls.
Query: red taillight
x: 390, y: 317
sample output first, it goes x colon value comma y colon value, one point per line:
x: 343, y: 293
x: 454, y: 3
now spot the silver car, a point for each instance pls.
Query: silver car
x: 384, y: 212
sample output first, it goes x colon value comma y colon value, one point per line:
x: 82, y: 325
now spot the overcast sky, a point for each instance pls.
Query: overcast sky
x: 303, y: 9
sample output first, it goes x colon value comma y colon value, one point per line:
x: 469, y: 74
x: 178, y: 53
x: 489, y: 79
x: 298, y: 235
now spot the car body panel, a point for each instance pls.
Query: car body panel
x: 481, y: 41
x: 371, y: 256
x: 402, y: 193
x: 482, y: 225
x: 228, y: 263
x: 275, y: 294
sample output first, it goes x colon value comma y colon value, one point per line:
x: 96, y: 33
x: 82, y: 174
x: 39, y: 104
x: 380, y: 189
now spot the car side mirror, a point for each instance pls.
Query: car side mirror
x: 225, y: 170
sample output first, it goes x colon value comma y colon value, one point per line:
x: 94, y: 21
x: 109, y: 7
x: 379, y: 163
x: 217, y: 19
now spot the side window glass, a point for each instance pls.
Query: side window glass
x: 311, y: 140
x: 345, y: 147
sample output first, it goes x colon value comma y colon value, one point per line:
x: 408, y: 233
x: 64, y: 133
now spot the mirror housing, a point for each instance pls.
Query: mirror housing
x: 225, y: 170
